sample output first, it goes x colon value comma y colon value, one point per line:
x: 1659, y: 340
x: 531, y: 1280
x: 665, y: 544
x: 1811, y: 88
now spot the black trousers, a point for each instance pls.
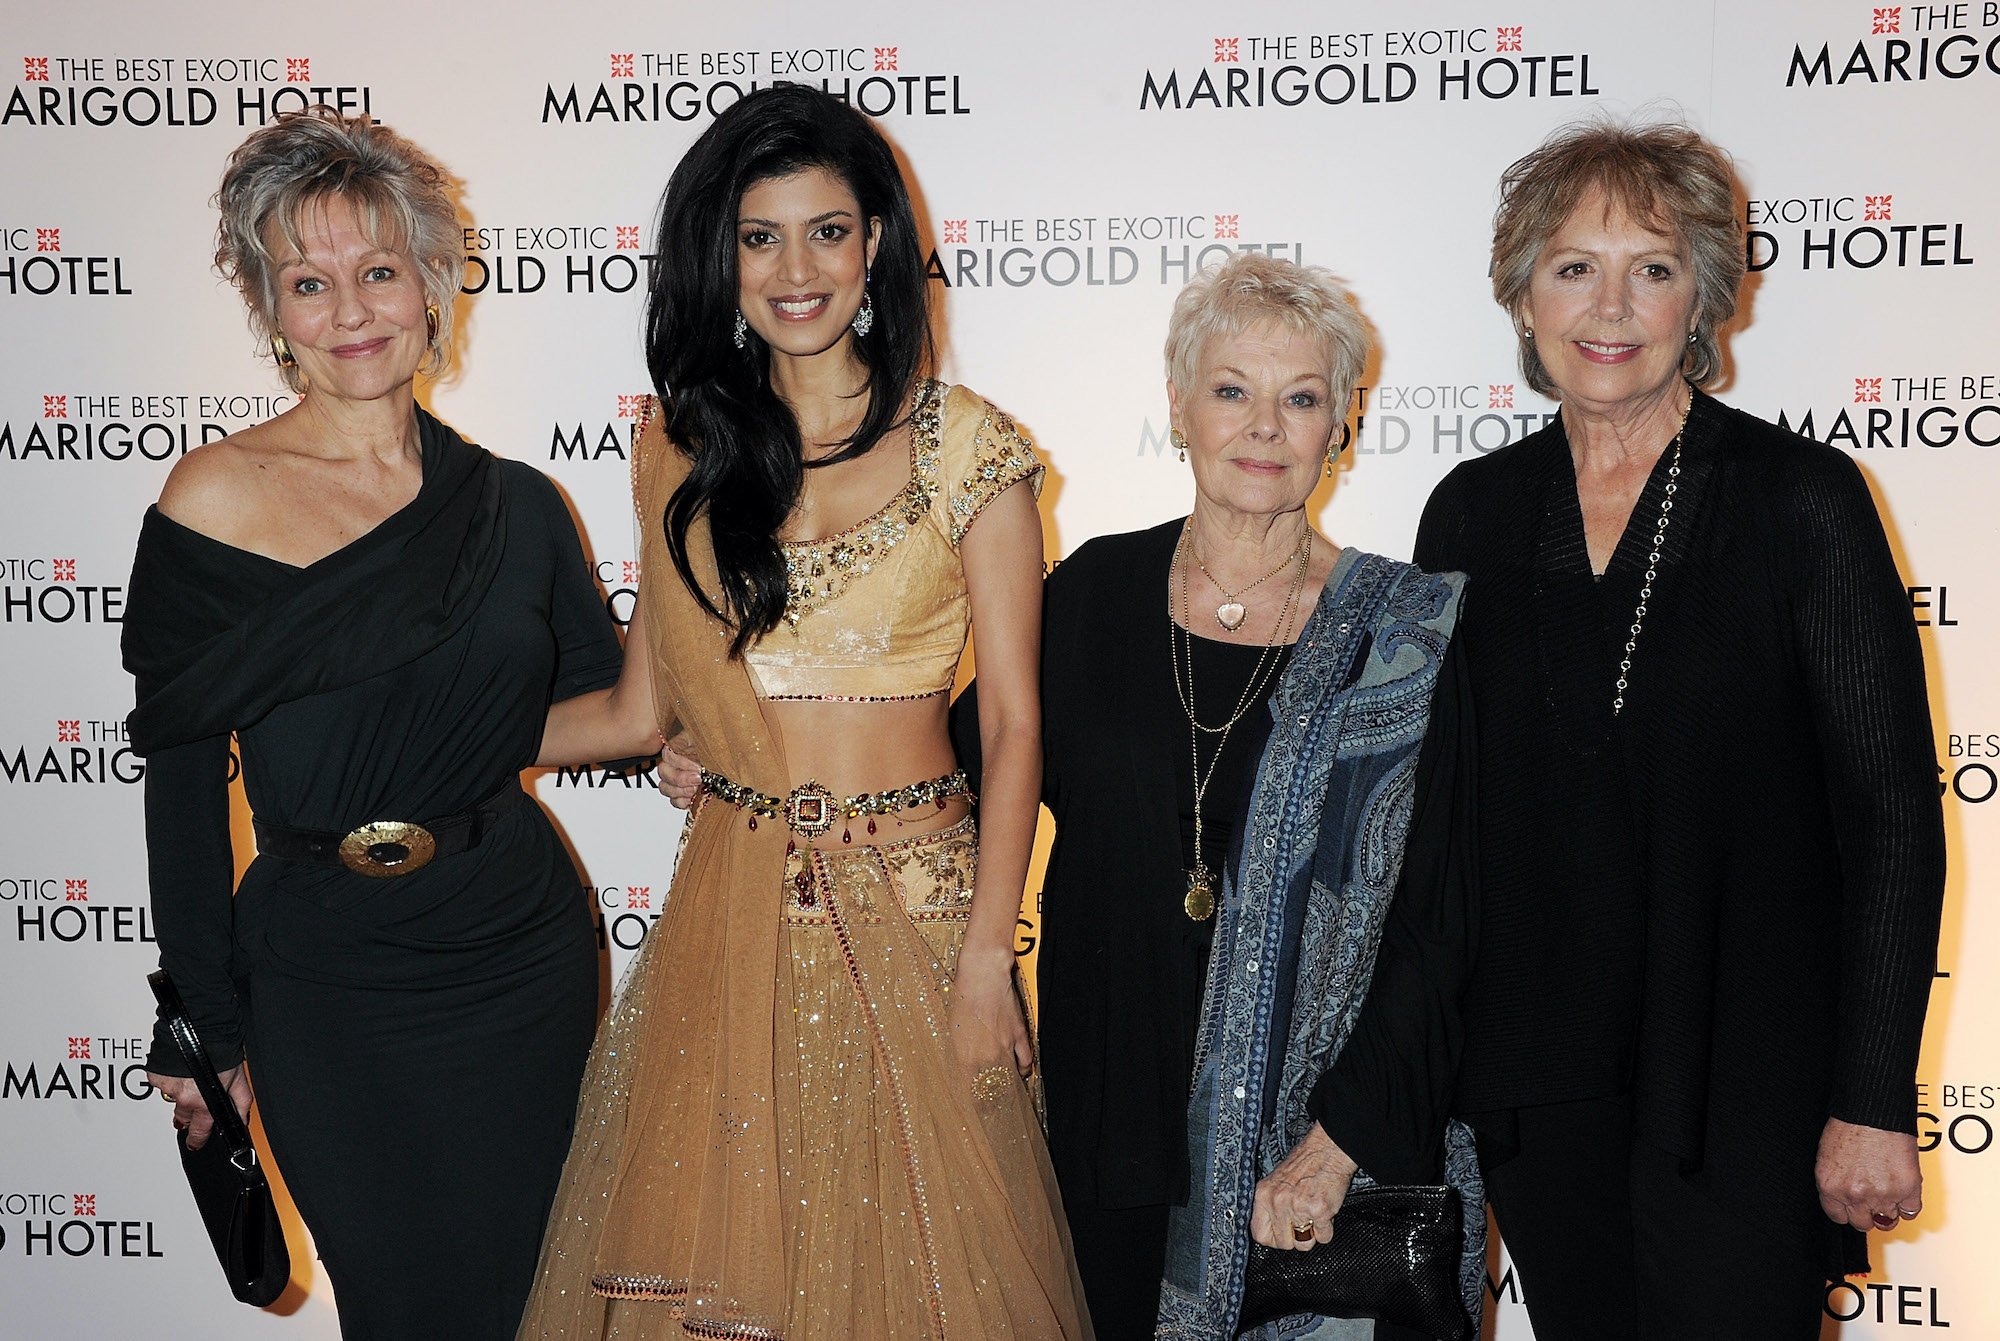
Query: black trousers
x: 1609, y: 1240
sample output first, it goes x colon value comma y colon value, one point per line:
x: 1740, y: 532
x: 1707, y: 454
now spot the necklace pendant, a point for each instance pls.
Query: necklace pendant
x: 1200, y: 900
x: 1231, y: 614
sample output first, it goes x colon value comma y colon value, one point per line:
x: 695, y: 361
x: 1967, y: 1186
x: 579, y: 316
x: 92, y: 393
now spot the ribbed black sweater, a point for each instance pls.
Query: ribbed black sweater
x: 1725, y: 901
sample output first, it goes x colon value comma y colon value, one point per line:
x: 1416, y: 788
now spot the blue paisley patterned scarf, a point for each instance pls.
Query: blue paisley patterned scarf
x: 1301, y: 919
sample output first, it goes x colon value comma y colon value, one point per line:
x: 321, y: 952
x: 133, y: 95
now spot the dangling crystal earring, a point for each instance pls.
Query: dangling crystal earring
x: 741, y: 335
x: 864, y: 320
x: 1179, y: 440
x: 1329, y: 465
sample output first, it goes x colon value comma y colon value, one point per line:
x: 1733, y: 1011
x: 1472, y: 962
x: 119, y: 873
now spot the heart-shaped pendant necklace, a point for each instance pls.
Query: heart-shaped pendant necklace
x: 1231, y: 613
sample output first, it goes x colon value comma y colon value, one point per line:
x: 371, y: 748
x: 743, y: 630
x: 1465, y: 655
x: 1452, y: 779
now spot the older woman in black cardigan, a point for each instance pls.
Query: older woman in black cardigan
x: 1711, y: 847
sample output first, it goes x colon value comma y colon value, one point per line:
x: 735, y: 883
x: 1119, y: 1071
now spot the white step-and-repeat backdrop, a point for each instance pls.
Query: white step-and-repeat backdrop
x: 1074, y: 164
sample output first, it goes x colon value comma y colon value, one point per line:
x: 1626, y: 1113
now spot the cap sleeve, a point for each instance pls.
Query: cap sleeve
x: 985, y: 453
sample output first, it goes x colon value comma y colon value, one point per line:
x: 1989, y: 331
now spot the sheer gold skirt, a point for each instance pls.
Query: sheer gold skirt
x: 917, y: 1197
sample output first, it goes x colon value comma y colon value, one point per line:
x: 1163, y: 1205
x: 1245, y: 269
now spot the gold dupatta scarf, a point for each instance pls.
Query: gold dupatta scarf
x: 670, y: 1197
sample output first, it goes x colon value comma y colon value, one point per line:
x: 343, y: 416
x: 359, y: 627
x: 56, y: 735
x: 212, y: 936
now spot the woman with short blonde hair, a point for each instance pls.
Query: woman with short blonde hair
x: 380, y: 614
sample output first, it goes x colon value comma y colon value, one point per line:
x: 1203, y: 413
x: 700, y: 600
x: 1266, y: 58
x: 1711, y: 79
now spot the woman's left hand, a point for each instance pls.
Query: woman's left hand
x: 1309, y: 1186
x: 1868, y: 1177
x: 986, y: 1020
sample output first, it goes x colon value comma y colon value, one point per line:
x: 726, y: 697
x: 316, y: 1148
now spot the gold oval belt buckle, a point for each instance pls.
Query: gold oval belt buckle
x: 387, y: 848
x: 811, y: 809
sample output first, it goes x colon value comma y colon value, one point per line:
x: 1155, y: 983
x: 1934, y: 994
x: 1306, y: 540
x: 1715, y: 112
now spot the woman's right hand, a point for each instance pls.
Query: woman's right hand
x: 680, y: 775
x: 191, y: 1112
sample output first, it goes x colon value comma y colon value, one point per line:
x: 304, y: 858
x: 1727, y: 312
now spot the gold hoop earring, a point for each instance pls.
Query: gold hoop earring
x: 431, y: 322
x: 281, y: 350
x: 1179, y: 441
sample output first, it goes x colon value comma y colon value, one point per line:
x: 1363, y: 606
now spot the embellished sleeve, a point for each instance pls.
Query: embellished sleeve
x: 997, y: 456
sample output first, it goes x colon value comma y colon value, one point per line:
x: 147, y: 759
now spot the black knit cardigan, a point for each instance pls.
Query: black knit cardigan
x: 1725, y: 901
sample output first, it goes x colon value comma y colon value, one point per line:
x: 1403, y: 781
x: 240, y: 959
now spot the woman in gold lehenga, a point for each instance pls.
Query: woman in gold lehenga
x: 805, y: 1116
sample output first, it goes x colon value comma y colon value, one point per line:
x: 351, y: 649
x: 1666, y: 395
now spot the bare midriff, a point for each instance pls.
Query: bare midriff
x: 851, y: 748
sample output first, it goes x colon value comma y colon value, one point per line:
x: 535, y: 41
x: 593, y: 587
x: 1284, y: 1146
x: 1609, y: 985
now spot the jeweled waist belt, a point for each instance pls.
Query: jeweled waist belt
x: 810, y: 810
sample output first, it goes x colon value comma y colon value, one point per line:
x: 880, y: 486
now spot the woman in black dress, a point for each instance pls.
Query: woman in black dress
x: 1711, y: 844
x: 381, y: 613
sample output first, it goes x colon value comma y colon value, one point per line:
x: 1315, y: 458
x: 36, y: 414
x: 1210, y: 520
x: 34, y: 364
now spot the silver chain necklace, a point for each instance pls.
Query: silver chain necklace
x: 1652, y: 564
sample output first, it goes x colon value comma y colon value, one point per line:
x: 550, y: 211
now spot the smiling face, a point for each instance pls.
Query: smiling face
x: 351, y: 309
x: 1611, y: 303
x: 802, y: 257
x: 1258, y: 419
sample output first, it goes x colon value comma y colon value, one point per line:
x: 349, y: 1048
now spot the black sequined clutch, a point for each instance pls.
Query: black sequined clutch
x: 1394, y: 1257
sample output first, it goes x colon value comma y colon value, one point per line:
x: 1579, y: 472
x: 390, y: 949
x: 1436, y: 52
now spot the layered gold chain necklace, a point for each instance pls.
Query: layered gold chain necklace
x: 1199, y: 901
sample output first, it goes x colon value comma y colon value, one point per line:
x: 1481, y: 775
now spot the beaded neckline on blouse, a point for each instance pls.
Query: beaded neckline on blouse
x: 817, y: 571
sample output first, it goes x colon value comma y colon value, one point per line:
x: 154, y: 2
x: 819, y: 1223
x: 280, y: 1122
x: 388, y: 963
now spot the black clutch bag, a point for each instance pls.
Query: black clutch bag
x: 1394, y: 1257
x: 229, y: 1187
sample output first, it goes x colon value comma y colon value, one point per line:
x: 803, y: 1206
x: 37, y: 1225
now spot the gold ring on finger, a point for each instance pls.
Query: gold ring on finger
x: 1302, y: 1231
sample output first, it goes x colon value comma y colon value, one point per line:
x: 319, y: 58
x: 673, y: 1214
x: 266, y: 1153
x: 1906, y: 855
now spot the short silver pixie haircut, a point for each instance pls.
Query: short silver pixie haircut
x: 1228, y: 298
x: 304, y: 158
x: 1664, y: 175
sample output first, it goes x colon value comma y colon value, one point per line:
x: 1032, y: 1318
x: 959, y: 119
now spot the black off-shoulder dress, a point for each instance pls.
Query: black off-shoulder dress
x: 415, y: 1043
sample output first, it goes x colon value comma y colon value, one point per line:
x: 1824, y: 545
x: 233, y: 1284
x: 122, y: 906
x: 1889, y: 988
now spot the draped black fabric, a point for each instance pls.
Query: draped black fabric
x: 211, y: 652
x: 1724, y: 902
x: 416, y: 1043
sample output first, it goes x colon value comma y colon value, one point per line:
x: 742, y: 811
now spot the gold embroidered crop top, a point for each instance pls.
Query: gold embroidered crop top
x: 879, y: 611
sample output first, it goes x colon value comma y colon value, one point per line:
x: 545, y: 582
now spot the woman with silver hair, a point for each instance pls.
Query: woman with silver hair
x: 381, y: 613
x: 1711, y: 851
x: 1243, y: 722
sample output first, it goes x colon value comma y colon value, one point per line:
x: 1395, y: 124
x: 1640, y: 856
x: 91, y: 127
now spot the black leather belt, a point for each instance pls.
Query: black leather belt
x: 386, y: 848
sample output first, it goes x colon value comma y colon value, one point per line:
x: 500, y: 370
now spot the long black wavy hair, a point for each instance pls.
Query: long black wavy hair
x: 720, y: 407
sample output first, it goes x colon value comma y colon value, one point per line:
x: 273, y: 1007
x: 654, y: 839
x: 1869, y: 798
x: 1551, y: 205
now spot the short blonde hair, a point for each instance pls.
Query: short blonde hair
x: 1250, y: 287
x: 304, y: 158
x: 1664, y: 175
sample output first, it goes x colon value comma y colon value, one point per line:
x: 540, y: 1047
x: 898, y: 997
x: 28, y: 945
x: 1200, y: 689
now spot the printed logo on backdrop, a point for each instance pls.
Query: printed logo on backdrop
x: 77, y: 426
x: 556, y: 257
x: 683, y: 86
x: 76, y: 1067
x: 49, y: 259
x: 172, y: 91
x: 1898, y: 44
x: 37, y: 590
x: 1853, y: 232
x: 79, y: 750
x: 1092, y: 251
x: 1880, y: 1301
x: 1970, y: 769
x: 63, y: 910
x: 587, y: 439
x: 1424, y: 419
x: 1880, y: 411
x: 1956, y: 1118
x: 625, y: 913
x: 1505, y: 62
x: 70, y: 1224
x: 630, y: 774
